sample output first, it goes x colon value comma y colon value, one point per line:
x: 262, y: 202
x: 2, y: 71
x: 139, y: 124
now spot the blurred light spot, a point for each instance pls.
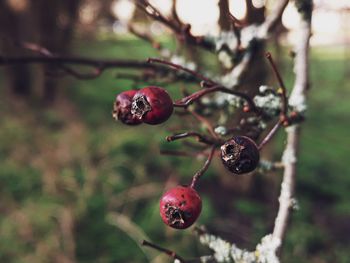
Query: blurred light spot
x: 123, y: 10
x: 327, y: 28
x: 88, y: 12
x: 63, y: 20
x: 164, y: 6
x: 201, y: 15
x: 119, y: 28
x: 238, y: 8
x: 259, y: 3
x: 156, y: 28
x: 290, y: 18
x: 18, y: 5
x: 325, y: 22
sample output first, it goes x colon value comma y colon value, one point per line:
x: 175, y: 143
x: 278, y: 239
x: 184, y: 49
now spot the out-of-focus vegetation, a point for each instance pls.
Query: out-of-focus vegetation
x: 76, y: 185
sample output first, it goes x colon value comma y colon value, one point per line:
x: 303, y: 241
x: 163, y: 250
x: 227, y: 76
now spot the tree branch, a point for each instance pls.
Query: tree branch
x: 272, y: 20
x: 301, y: 69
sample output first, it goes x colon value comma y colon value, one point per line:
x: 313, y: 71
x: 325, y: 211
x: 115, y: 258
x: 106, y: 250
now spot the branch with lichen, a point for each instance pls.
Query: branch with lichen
x: 266, y: 251
x: 298, y: 101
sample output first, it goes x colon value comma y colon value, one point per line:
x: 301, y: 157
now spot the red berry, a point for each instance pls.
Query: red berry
x: 122, y: 108
x: 240, y: 155
x: 180, y: 207
x: 152, y: 105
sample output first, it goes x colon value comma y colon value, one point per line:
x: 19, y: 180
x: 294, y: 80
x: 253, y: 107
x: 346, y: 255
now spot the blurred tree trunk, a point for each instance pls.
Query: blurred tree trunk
x: 55, y: 23
x: 15, y: 25
x: 254, y: 15
x: 257, y: 72
x: 48, y: 23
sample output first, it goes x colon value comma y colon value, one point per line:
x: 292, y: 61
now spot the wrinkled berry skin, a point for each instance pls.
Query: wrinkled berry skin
x: 122, y: 108
x: 152, y: 105
x: 240, y: 155
x: 180, y: 207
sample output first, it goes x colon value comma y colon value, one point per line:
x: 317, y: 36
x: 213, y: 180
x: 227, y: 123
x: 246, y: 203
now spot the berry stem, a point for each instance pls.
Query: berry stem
x: 204, y: 168
x: 186, y: 101
x: 283, y: 87
x: 198, y: 136
x: 181, y: 153
x: 170, y: 253
x: 179, y: 67
x: 269, y: 136
x: 207, y: 123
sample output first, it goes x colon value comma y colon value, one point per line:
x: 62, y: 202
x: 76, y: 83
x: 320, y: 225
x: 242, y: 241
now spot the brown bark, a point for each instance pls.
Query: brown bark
x: 224, y: 19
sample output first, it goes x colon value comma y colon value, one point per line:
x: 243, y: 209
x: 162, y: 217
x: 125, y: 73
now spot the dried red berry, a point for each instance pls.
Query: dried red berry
x: 240, y: 155
x: 180, y: 207
x: 122, y: 108
x: 152, y: 105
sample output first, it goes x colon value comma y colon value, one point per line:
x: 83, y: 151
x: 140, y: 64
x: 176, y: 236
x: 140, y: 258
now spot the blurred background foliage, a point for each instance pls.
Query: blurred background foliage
x: 76, y: 186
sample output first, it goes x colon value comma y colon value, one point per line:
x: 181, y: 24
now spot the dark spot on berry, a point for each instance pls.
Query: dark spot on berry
x: 140, y: 106
x: 175, y: 216
x: 240, y: 155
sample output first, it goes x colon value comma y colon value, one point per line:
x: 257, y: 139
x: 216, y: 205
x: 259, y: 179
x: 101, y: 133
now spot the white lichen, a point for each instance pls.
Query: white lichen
x: 224, y: 251
x: 270, y: 103
x: 179, y: 60
x: 221, y: 130
x: 248, y: 34
x: 225, y: 59
x: 289, y: 156
x: 295, y: 204
x: 226, y: 39
x: 298, y: 103
x: 266, y: 250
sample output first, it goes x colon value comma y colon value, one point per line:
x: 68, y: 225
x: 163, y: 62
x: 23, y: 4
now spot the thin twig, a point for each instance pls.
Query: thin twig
x: 99, y: 65
x: 269, y: 136
x: 144, y: 36
x: 205, y: 122
x: 204, y: 168
x: 181, y: 153
x: 198, y: 136
x: 154, y: 13
x: 185, y: 102
x: 182, y: 31
x: 179, y: 67
x: 168, y: 252
x: 174, y: 13
x: 281, y: 82
x: 45, y: 52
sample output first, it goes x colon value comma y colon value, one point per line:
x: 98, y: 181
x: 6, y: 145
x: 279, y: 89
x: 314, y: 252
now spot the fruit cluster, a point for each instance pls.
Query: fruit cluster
x: 151, y: 105
x: 181, y: 206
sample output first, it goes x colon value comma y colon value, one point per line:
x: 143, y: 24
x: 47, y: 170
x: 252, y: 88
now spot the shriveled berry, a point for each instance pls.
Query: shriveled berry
x: 122, y: 108
x: 152, y: 105
x: 180, y: 207
x: 240, y: 155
